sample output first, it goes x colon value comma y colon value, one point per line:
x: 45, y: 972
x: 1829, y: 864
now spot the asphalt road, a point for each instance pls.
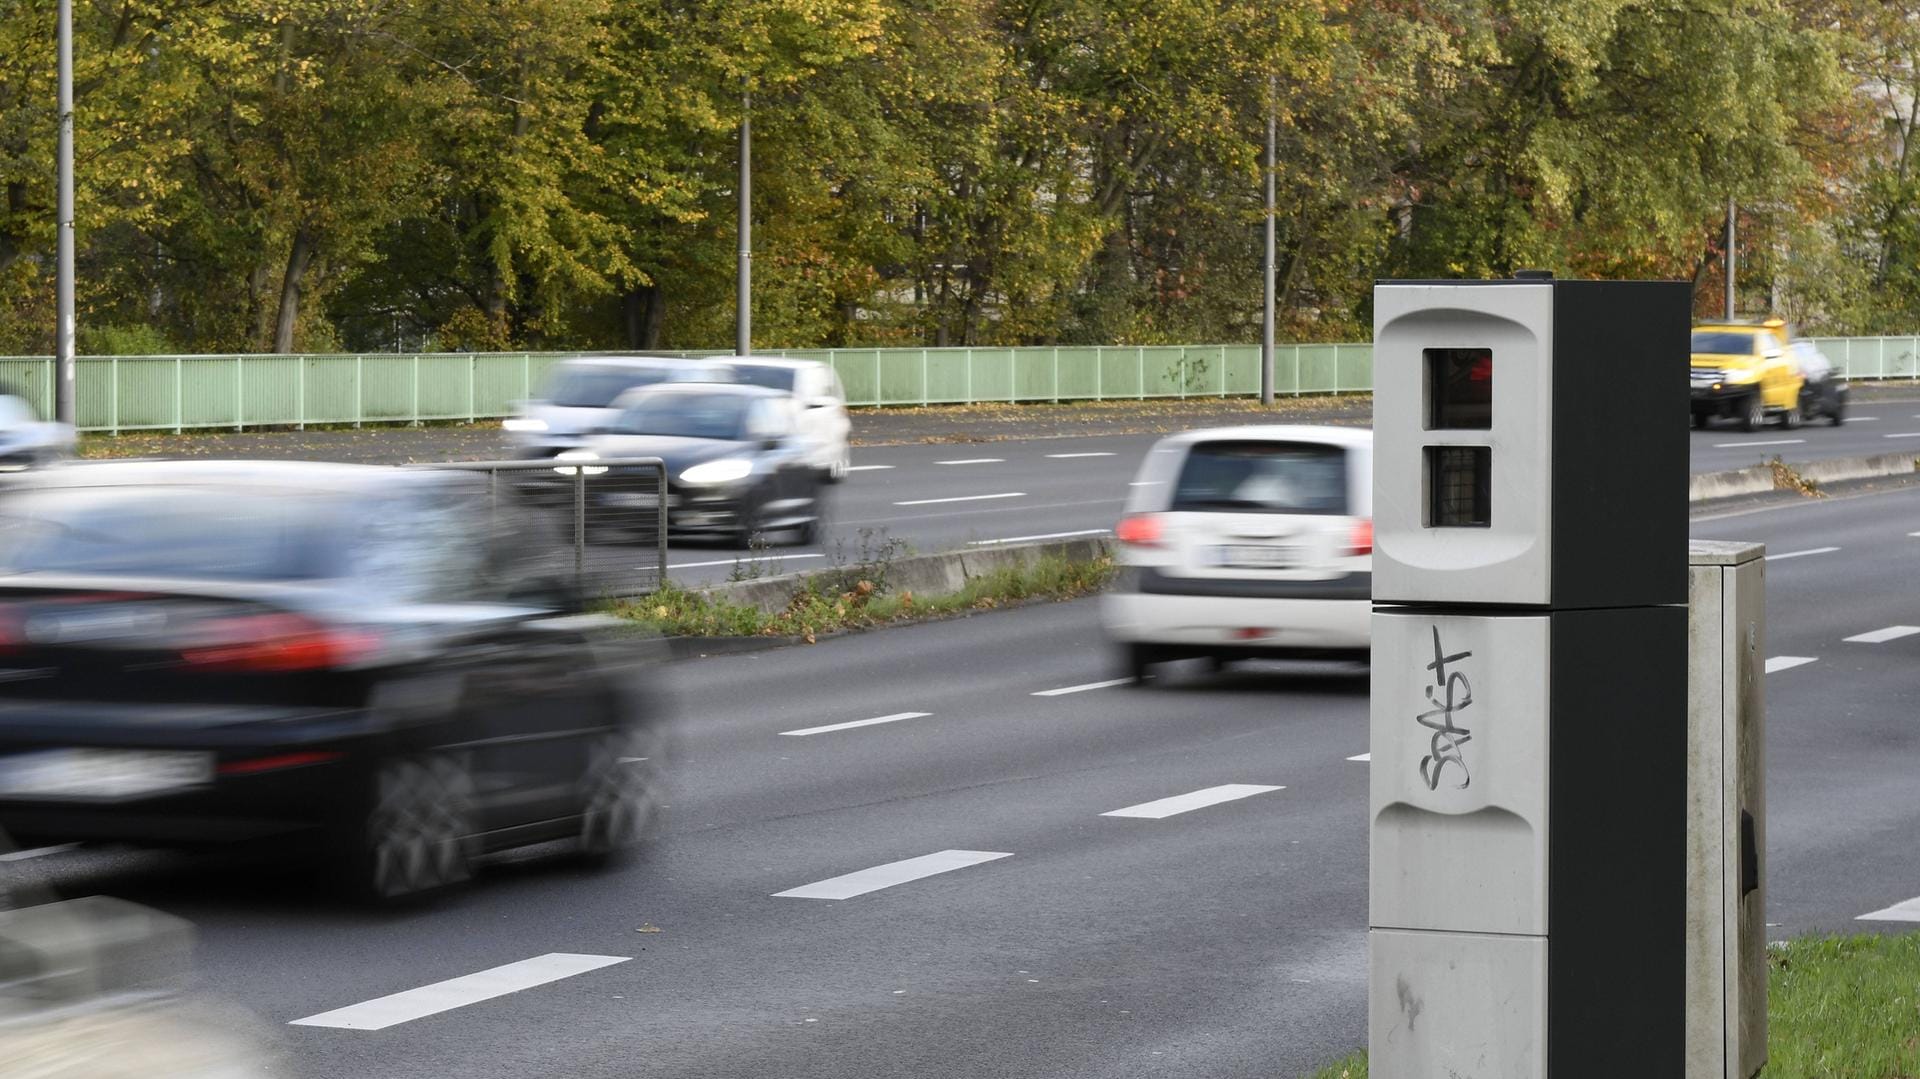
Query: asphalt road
x: 1221, y: 940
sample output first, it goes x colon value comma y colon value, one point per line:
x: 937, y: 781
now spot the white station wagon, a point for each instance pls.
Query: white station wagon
x: 1246, y: 542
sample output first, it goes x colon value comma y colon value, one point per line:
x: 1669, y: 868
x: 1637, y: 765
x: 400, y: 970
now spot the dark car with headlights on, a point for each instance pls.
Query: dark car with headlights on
x: 369, y: 664
x: 736, y: 464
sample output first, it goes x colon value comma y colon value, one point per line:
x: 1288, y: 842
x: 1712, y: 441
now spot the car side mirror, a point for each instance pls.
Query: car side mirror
x: 823, y: 402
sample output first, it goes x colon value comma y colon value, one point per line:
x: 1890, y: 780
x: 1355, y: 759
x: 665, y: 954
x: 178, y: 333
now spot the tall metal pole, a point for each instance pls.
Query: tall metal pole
x: 1266, y: 266
x: 1731, y: 210
x: 743, y: 299
x: 63, y: 280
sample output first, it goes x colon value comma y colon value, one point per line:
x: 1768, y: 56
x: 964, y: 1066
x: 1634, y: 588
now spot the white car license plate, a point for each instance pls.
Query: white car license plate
x: 1242, y: 556
x: 102, y: 773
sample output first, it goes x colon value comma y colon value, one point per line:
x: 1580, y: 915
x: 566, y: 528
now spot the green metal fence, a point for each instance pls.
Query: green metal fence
x: 168, y: 393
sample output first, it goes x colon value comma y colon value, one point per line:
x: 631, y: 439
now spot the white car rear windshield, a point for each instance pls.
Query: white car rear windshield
x: 1263, y: 477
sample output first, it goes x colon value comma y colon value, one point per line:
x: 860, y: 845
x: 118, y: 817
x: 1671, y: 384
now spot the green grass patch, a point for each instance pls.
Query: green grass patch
x: 1837, y: 1008
x: 1844, y: 1008
x: 843, y: 601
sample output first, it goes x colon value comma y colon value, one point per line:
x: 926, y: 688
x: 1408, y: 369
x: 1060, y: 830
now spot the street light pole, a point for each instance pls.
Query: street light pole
x: 743, y: 299
x: 63, y: 279
x: 1266, y: 267
x: 1731, y: 211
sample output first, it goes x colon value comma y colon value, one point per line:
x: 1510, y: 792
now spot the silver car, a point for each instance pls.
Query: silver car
x: 27, y: 441
x: 577, y: 397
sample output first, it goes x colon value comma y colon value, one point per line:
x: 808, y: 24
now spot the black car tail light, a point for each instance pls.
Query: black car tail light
x: 275, y: 643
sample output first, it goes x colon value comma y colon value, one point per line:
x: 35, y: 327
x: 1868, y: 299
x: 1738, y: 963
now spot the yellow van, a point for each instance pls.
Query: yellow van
x: 1743, y: 371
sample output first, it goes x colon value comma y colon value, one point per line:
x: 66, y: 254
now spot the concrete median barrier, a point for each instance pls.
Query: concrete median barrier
x: 1801, y: 476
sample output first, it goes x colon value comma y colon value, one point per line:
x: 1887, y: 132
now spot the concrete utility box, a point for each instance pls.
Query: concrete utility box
x: 1528, y: 714
x: 1726, y: 811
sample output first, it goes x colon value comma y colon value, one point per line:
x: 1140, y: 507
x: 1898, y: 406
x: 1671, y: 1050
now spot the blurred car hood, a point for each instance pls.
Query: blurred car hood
x: 565, y: 420
x: 678, y: 453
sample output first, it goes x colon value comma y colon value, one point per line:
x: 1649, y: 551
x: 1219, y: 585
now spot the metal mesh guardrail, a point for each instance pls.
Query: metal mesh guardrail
x: 171, y: 393
x: 612, y: 514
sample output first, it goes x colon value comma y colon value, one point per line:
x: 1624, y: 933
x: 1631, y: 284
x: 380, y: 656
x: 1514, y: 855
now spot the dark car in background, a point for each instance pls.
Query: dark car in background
x: 737, y: 466
x: 370, y: 665
x: 578, y: 396
x: 1824, y: 396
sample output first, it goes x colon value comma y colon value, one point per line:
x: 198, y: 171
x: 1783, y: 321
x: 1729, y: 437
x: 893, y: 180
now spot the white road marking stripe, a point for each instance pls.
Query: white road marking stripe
x: 1041, y: 536
x: 867, y: 468
x: 1882, y: 636
x: 1913, y: 533
x: 962, y: 498
x: 1787, y: 663
x: 1187, y: 803
x: 1062, y: 456
x: 37, y: 852
x: 1866, y: 419
x: 1362, y: 757
x: 1144, y: 483
x: 1063, y: 691
x: 1903, y: 434
x: 1797, y: 554
x: 1774, y: 442
x: 894, y: 718
x: 731, y: 561
x: 863, y: 881
x: 1908, y: 911
x: 387, y: 1011
x: 975, y: 461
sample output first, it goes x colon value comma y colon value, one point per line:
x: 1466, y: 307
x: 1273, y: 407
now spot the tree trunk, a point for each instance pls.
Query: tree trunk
x: 645, y: 308
x: 298, y: 260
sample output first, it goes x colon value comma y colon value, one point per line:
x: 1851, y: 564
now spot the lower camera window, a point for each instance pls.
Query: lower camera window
x: 1459, y: 486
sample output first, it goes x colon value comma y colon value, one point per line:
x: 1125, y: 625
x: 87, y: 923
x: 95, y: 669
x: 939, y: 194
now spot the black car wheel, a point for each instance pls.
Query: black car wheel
x: 414, y: 833
x: 617, y: 794
x: 1136, y: 662
x: 1838, y: 415
x: 1699, y: 420
x: 1790, y: 419
x: 1754, y: 415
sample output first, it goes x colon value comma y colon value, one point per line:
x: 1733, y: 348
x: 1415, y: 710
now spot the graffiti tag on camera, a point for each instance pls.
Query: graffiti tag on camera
x: 1450, y: 693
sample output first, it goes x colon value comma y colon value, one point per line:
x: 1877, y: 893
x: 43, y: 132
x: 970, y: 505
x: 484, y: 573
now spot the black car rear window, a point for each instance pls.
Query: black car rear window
x: 1723, y: 343
x: 1263, y: 477
x: 580, y: 386
x: 203, y: 533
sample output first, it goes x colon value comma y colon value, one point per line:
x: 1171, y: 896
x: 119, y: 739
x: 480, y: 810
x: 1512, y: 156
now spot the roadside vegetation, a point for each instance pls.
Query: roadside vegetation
x: 1837, y: 1008
x: 841, y: 600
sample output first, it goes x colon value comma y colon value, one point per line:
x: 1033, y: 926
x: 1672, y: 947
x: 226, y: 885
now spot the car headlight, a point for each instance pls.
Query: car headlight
x: 529, y: 425
x: 725, y: 470
x: 578, y: 455
x: 1741, y: 378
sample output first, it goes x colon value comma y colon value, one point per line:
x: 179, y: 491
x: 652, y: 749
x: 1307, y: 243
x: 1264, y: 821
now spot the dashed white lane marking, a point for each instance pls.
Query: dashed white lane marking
x: 1908, y: 911
x: 732, y: 561
x: 1064, y: 690
x: 1903, y: 434
x: 1187, y: 803
x: 962, y: 498
x: 1062, y: 456
x: 1797, y: 554
x: 894, y: 718
x: 1787, y: 663
x: 867, y: 468
x: 975, y: 461
x: 1144, y: 483
x: 1362, y: 757
x: 1882, y: 636
x: 863, y: 881
x: 1772, y: 442
x: 387, y: 1011
x: 37, y: 852
x: 1041, y: 536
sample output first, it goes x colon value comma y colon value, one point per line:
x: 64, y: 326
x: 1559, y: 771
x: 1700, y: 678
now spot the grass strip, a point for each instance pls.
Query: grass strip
x: 1837, y: 1008
x: 818, y: 607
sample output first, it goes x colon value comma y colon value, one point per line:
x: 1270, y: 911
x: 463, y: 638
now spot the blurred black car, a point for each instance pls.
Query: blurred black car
x: 1825, y: 391
x: 736, y: 466
x: 367, y: 658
